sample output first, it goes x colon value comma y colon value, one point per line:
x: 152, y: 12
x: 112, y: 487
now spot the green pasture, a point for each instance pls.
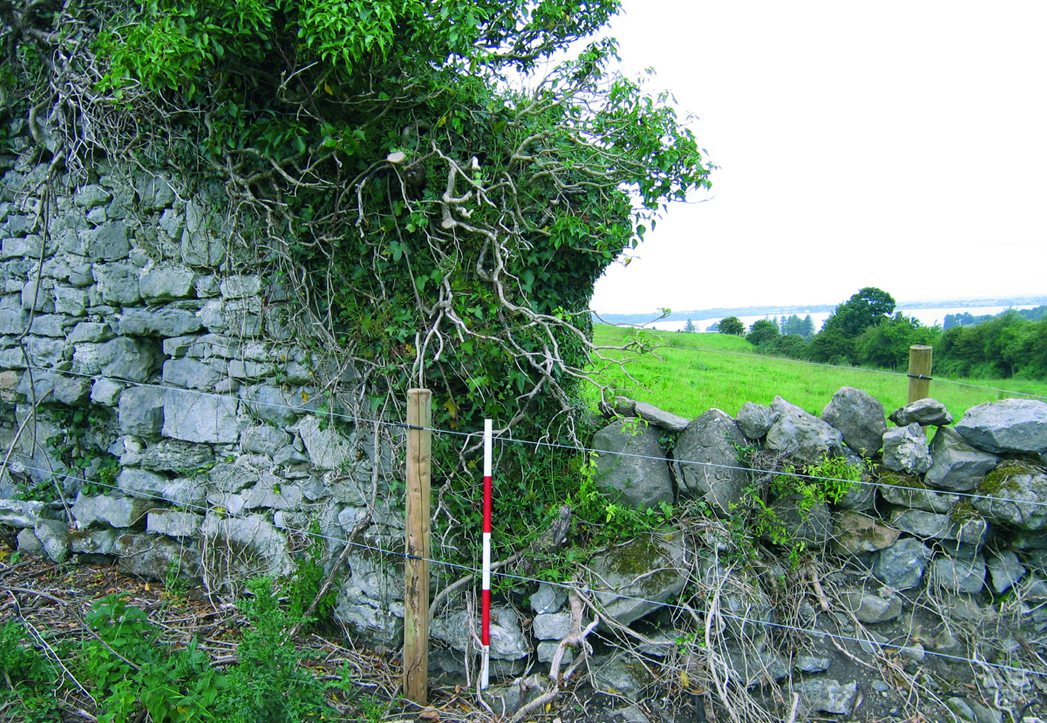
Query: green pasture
x: 688, y: 374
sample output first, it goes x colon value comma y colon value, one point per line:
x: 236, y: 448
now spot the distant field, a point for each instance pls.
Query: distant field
x: 693, y: 373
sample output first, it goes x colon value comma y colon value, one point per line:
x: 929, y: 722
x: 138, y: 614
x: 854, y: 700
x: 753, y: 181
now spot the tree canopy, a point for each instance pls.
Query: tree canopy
x: 868, y: 307
x: 732, y: 325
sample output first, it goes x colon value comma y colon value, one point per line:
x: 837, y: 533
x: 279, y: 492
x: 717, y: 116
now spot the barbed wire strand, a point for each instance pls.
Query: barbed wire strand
x: 563, y: 585
x: 570, y: 448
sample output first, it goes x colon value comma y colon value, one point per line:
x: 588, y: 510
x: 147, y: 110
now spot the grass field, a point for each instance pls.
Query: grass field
x: 689, y: 374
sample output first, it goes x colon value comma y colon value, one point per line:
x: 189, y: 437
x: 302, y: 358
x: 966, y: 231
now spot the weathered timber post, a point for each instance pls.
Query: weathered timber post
x: 416, y: 567
x: 919, y: 372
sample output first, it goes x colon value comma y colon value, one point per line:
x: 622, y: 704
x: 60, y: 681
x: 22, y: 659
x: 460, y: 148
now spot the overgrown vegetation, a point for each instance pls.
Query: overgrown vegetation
x: 428, y: 210
x: 781, y: 491
x: 133, y: 673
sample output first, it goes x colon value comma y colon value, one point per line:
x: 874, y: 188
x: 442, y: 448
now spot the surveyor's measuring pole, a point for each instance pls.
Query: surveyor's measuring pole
x: 416, y: 566
x: 485, y: 587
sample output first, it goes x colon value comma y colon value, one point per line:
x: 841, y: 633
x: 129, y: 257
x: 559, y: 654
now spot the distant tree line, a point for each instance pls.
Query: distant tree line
x: 866, y: 331
x: 969, y: 319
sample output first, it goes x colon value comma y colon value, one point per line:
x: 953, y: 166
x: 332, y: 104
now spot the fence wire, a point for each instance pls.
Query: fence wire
x: 586, y: 590
x: 478, y: 434
x: 475, y: 571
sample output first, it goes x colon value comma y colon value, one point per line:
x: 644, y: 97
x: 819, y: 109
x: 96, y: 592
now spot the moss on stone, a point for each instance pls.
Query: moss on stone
x: 898, y: 479
x: 1002, y: 478
x: 640, y: 557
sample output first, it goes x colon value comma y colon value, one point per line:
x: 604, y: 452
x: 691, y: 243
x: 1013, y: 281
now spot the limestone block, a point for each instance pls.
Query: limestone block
x: 117, y: 283
x: 13, y: 321
x: 631, y: 463
x: 73, y: 391
x: 108, y: 241
x: 38, y: 295
x: 957, y: 466
x: 905, y: 450
x: 94, y: 542
x: 110, y: 509
x: 801, y: 435
x: 264, y: 439
x: 172, y: 222
x: 45, y: 351
x: 651, y: 414
x: 548, y: 598
x: 174, y: 523
x: 1009, y: 425
x: 1017, y: 498
x: 507, y: 638
x: 241, y: 286
x: 239, y: 548
x: 166, y: 322
x: 142, y: 412
x: 1005, y: 570
x: 706, y: 460
x: 922, y: 411
x: 165, y: 283
x: 54, y: 539
x: 194, y: 417
x: 154, y: 192
x: 754, y: 420
x: 154, y: 557
x: 639, y: 577
x: 902, y: 565
x: 959, y: 575
x: 90, y: 331
x: 172, y: 455
x: 830, y: 696
x: 106, y: 392
x: 919, y: 498
x: 860, y: 419
x: 551, y: 626
x: 53, y: 325
x: 92, y: 195
x: 22, y: 513
x: 200, y: 244
x: 869, y: 607
x: 326, y: 447
x: 23, y: 247
x: 70, y: 300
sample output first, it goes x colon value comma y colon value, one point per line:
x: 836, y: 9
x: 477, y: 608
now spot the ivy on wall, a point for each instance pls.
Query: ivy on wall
x: 434, y: 211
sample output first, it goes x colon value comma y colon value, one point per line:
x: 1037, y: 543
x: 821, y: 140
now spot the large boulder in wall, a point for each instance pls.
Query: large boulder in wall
x: 956, y: 466
x: 860, y: 419
x: 905, y: 449
x: 1009, y: 425
x: 800, y: 435
x: 707, y: 463
x: 631, y: 465
x: 1013, y: 495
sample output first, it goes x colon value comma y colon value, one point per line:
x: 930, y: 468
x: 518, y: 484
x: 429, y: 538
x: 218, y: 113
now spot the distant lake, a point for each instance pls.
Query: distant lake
x: 927, y: 317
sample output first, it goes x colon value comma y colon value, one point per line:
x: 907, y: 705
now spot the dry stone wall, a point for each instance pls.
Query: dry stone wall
x: 154, y: 406
x: 957, y: 526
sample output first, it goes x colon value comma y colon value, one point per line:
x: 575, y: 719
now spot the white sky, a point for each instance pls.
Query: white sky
x: 894, y: 144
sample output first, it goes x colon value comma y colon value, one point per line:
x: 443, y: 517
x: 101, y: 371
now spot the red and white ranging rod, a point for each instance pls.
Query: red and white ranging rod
x: 485, y: 587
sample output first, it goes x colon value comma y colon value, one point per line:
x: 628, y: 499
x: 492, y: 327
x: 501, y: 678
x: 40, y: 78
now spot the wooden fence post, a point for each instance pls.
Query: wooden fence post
x: 919, y: 372
x: 416, y: 566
